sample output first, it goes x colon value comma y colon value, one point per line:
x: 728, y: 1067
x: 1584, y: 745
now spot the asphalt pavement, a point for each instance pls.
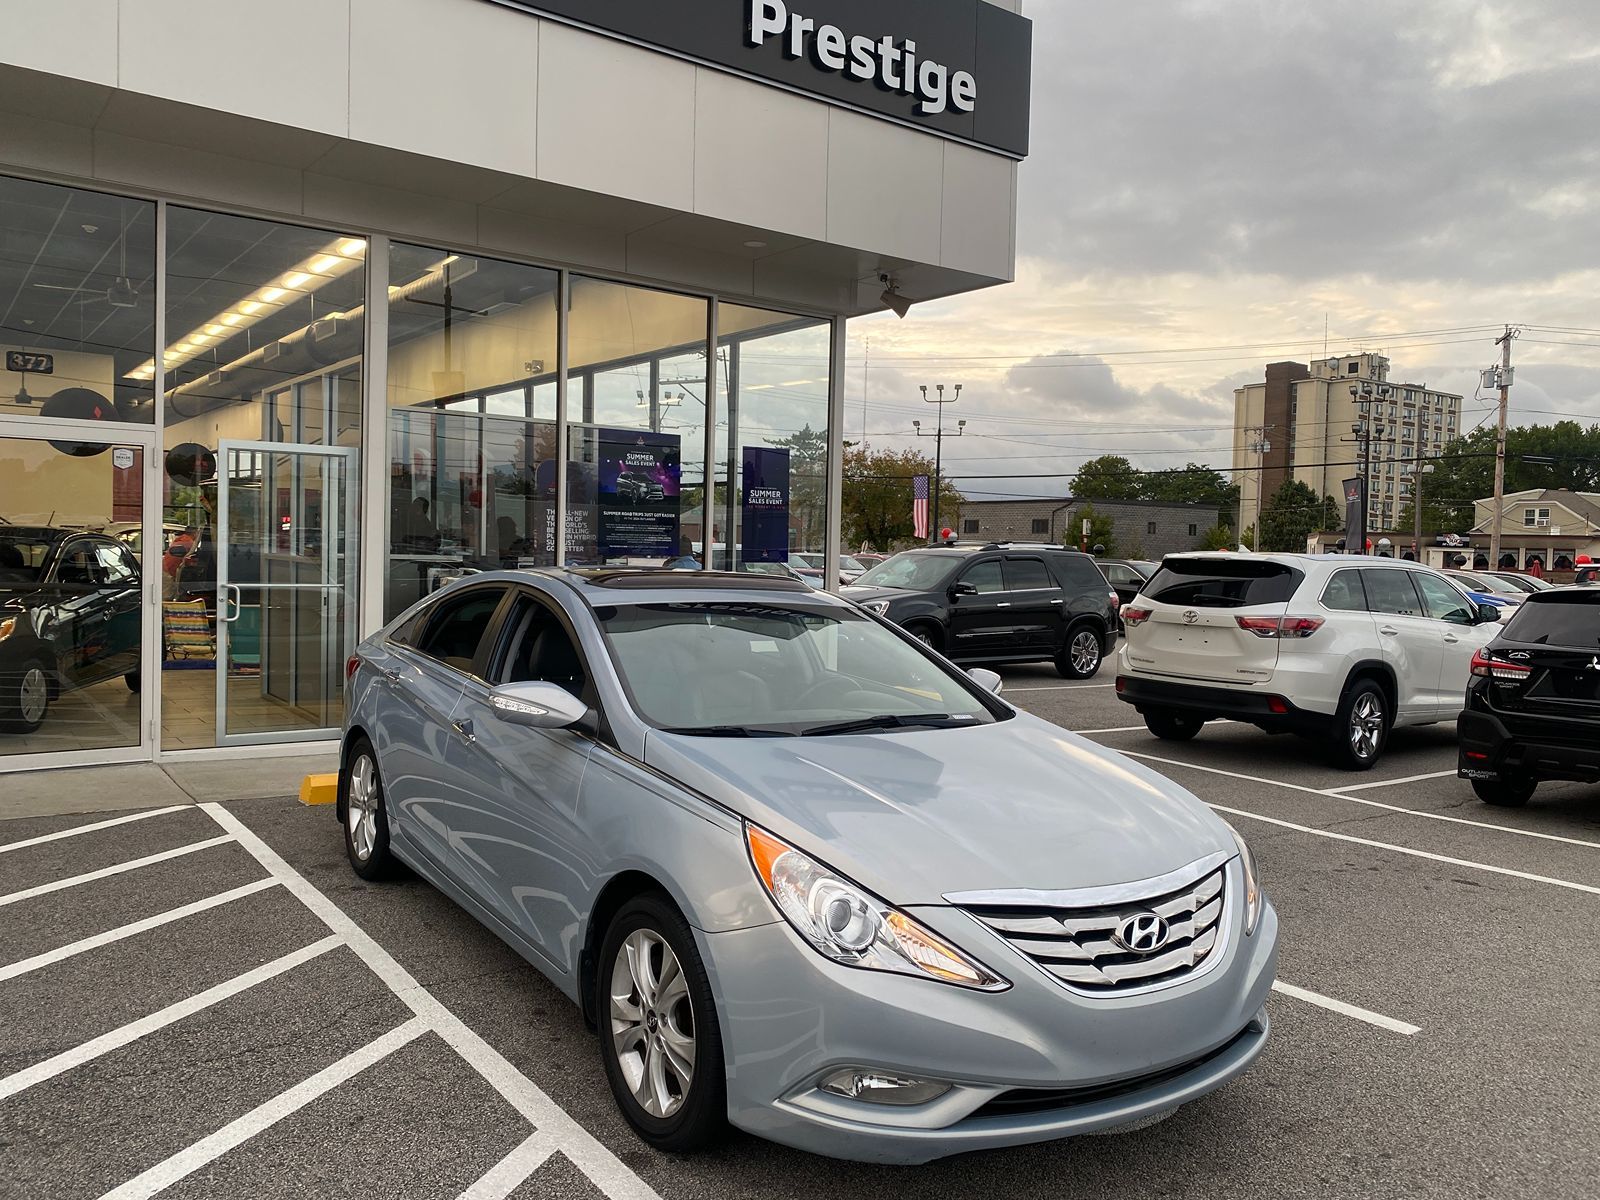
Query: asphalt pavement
x: 203, y: 1001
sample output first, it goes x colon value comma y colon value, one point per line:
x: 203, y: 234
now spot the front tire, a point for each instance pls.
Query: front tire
x: 659, y: 1037
x: 26, y: 699
x: 1081, y: 657
x: 366, y: 817
x: 1172, y: 726
x: 1503, y: 793
x: 1361, y: 729
x: 926, y: 634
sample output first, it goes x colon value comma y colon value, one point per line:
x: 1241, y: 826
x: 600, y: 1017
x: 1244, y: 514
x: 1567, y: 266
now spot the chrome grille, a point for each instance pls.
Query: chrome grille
x: 1072, y: 935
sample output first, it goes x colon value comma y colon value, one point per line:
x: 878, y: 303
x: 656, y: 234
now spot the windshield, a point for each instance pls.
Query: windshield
x: 914, y: 572
x: 846, y: 563
x: 1566, y: 619
x: 1526, y: 583
x: 751, y: 670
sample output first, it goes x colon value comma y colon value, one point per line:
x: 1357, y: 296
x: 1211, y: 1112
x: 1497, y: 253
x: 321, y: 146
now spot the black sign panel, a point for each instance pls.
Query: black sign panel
x: 32, y: 364
x: 971, y: 61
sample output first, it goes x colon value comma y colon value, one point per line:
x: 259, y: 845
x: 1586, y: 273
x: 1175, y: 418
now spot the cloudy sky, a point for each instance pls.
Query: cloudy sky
x: 1216, y: 184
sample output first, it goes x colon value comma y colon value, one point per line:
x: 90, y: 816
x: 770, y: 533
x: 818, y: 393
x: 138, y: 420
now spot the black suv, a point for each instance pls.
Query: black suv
x: 998, y: 603
x: 1533, y: 703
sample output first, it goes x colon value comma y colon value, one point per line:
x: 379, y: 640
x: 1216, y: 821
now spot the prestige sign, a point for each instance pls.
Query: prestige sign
x: 958, y: 68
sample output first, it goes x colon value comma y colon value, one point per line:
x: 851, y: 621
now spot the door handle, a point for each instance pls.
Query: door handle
x: 464, y: 728
x: 1058, y: 601
x: 1451, y: 638
x: 1389, y: 629
x: 1003, y: 604
x: 223, y: 601
x: 390, y: 674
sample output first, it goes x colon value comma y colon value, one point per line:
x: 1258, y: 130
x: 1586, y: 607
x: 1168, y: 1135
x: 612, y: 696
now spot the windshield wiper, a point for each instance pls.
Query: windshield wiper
x: 743, y: 731
x: 886, y: 721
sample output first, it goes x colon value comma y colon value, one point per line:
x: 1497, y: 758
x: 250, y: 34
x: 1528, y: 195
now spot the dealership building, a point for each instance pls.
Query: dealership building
x: 347, y: 300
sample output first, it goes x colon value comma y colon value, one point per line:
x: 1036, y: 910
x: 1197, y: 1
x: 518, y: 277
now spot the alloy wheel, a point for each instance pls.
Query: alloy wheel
x: 1366, y: 726
x: 652, y: 1023
x: 34, y: 695
x: 1085, y: 652
x: 362, y: 807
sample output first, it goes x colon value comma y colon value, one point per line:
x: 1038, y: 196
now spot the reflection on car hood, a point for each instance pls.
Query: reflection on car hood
x: 861, y: 593
x: 916, y: 814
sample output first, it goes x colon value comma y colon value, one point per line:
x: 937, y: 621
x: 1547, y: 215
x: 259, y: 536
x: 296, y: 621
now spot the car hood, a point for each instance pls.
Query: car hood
x: 862, y: 593
x: 914, y: 815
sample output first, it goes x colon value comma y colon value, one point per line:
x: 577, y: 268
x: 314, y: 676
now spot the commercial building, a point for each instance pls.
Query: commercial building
x: 1552, y: 525
x: 1141, y: 528
x: 369, y: 294
x: 1307, y: 418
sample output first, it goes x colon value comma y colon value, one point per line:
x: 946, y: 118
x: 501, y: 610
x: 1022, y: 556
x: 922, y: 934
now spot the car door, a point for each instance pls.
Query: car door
x: 424, y: 670
x: 1412, y: 643
x: 1037, y: 605
x: 1461, y: 635
x: 981, y: 624
x: 73, y: 618
x: 120, y: 602
x: 519, y: 840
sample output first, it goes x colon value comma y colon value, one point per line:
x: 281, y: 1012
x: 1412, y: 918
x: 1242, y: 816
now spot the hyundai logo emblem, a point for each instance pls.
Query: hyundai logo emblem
x: 1142, y: 933
x: 1190, y: 617
x: 1594, y: 664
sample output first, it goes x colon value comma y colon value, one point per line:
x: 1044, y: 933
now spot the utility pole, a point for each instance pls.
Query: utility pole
x: 1366, y: 428
x: 1260, y: 447
x: 938, y: 447
x: 1504, y: 342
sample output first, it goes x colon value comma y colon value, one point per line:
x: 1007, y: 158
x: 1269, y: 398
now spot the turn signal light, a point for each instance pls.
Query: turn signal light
x: 1485, y: 667
x: 1132, y: 616
x: 1280, y: 627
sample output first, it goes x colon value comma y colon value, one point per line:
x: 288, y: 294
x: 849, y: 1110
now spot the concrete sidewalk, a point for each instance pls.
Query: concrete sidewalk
x: 153, y: 785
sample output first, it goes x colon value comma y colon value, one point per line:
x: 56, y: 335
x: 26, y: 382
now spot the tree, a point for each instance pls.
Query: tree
x: 878, y: 496
x: 1109, y: 477
x: 1193, y: 483
x: 1293, y: 513
x: 1219, y: 537
x: 808, y: 484
x: 1564, y: 455
x: 1102, y: 531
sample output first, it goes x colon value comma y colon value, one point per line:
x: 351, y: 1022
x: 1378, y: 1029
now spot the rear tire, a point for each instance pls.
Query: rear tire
x: 366, y: 816
x: 1082, y: 655
x: 132, y: 680
x: 1503, y: 793
x: 1172, y: 726
x: 1361, y: 729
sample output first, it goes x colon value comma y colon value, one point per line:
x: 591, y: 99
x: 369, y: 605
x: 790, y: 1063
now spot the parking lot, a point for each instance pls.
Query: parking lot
x: 205, y: 1001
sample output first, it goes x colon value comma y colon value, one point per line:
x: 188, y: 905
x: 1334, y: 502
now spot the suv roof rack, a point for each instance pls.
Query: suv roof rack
x: 1027, y: 546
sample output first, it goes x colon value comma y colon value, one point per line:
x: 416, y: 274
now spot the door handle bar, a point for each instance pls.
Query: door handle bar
x: 223, y: 601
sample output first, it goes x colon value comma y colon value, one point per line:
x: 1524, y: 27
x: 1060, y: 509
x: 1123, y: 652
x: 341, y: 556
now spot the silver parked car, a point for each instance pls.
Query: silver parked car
x: 800, y: 872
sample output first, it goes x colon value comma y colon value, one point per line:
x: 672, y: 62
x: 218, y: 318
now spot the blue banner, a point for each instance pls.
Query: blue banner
x: 764, y: 519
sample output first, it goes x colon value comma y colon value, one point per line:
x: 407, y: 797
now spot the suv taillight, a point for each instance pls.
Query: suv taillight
x: 1485, y: 667
x: 1132, y: 616
x: 1281, y: 627
x: 350, y: 666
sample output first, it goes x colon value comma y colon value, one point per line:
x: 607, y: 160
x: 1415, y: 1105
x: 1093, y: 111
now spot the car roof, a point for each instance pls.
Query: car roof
x: 644, y: 585
x: 40, y: 533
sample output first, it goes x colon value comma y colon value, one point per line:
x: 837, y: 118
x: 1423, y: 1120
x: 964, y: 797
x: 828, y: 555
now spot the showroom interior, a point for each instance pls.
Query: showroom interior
x: 242, y: 426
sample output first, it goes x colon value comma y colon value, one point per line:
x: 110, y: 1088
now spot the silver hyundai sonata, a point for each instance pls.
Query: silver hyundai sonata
x: 801, y: 873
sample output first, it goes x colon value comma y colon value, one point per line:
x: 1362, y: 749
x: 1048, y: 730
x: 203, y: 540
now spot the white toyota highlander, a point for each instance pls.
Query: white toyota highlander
x: 1330, y: 647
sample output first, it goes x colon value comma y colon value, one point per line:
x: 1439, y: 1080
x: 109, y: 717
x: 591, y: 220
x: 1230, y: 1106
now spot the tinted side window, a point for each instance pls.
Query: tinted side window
x: 1344, y: 592
x: 1569, y: 620
x: 985, y: 576
x: 1391, y: 592
x: 1026, y: 575
x: 541, y: 651
x: 457, y: 627
x: 78, y: 565
x: 115, y: 565
x: 1441, y: 601
x: 1079, y: 574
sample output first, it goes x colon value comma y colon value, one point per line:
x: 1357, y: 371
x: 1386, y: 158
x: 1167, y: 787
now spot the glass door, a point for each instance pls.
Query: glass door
x: 73, y: 569
x: 287, y: 559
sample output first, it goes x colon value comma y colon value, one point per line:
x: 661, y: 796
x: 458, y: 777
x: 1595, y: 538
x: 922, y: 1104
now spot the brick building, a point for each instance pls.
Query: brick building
x: 1142, y: 528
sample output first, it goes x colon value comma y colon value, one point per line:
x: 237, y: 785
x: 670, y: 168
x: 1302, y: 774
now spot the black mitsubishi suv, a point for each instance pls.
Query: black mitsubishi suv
x: 1533, y: 701
x: 1001, y: 602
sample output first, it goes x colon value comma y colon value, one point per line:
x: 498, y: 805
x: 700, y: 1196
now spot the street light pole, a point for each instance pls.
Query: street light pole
x: 1418, y: 470
x: 938, y: 446
x: 1365, y: 430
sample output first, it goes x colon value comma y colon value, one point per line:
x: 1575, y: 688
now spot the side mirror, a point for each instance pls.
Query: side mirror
x: 537, y: 706
x: 963, y: 589
x: 988, y: 680
x: 1488, y: 614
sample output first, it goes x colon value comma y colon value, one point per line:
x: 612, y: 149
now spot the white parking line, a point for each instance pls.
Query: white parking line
x: 1356, y: 787
x: 105, y: 872
x: 1349, y: 1010
x: 12, y: 970
x: 77, y: 829
x: 1444, y: 858
x: 604, y: 1169
x: 507, y: 1175
x: 1338, y: 794
x: 1118, y: 729
x: 208, y: 1149
x: 1059, y: 687
x: 134, y: 1030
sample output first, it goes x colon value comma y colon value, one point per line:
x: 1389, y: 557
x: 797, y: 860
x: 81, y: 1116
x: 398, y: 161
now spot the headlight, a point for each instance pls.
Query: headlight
x: 1252, y: 884
x: 846, y: 924
x: 881, y: 607
x: 7, y: 628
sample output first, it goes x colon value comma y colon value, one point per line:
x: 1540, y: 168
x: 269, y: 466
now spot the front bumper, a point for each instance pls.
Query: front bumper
x: 1546, y: 749
x: 1033, y: 1063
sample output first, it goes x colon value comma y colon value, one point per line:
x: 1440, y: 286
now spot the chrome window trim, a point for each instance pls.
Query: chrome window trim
x: 1115, y: 893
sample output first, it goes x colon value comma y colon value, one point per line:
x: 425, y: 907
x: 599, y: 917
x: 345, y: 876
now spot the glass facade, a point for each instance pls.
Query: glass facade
x: 226, y: 394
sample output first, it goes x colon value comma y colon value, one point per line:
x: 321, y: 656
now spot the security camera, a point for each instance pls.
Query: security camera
x: 892, y: 299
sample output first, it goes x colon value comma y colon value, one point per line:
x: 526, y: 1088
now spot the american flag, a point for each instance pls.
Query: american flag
x: 919, y: 506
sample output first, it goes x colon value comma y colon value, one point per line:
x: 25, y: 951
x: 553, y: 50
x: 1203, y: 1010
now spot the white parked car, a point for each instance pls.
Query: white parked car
x: 1336, y: 648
